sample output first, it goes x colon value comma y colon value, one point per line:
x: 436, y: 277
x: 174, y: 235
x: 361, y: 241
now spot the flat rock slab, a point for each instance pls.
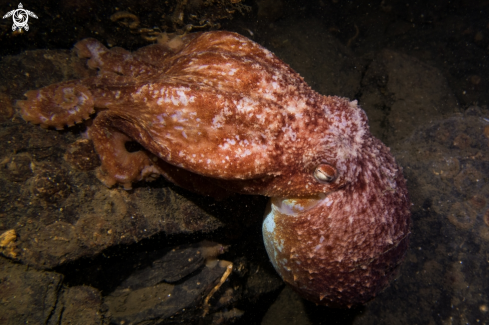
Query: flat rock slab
x: 176, y: 263
x: 173, y: 285
x: 78, y: 305
x: 155, y: 303
x: 27, y: 296
x: 61, y: 214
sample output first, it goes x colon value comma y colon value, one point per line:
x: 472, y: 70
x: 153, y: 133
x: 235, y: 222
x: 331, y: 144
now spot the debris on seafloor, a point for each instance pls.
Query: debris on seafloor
x: 157, y: 292
x: 183, y: 16
x: 7, y: 243
x: 229, y: 268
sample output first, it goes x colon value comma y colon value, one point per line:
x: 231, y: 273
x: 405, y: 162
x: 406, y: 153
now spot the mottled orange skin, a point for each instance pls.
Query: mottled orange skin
x: 217, y: 111
x: 344, y: 250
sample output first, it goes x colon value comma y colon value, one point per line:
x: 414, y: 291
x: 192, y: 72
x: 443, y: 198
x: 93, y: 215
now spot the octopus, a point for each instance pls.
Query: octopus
x: 215, y: 112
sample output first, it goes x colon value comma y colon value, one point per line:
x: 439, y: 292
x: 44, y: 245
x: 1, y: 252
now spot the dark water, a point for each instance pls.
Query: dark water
x: 419, y: 69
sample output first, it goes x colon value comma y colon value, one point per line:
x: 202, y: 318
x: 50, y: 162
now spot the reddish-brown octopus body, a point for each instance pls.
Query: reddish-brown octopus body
x: 217, y: 111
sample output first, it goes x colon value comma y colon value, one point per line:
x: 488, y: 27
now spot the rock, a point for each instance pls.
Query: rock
x: 155, y: 293
x: 287, y: 309
x: 27, y: 295
x: 399, y: 92
x: 34, y: 69
x: 176, y: 263
x: 78, y: 305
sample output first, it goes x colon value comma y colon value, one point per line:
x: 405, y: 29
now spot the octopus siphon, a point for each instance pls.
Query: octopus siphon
x: 217, y: 112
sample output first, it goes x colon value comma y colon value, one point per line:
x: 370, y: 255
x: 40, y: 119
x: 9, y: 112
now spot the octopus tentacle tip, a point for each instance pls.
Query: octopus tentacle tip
x: 335, y: 227
x: 57, y: 105
x: 107, y: 180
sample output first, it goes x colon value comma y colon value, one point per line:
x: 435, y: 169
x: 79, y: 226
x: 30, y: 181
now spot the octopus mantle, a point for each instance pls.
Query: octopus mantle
x: 217, y: 112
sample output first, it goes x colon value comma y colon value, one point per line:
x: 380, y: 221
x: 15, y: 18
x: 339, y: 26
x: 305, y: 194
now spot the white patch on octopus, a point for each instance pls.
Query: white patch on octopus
x: 246, y: 105
x: 218, y: 121
x: 161, y: 119
x: 183, y: 97
x: 289, y: 133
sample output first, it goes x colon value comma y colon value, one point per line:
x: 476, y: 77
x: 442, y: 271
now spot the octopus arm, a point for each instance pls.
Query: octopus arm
x: 58, y: 105
x: 115, y: 60
x: 228, y: 152
x: 110, y: 134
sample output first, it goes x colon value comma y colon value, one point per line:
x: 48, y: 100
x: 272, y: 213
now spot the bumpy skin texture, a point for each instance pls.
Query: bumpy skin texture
x: 216, y: 110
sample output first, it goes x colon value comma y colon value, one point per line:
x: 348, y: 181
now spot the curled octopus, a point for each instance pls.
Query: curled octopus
x: 215, y: 111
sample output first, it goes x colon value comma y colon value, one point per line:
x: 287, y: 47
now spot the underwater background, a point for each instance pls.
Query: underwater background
x: 75, y: 252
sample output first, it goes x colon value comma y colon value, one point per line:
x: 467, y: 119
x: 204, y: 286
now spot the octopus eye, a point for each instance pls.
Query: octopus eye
x: 325, y: 173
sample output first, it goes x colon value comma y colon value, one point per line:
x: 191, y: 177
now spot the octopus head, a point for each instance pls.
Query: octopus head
x: 341, y: 246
